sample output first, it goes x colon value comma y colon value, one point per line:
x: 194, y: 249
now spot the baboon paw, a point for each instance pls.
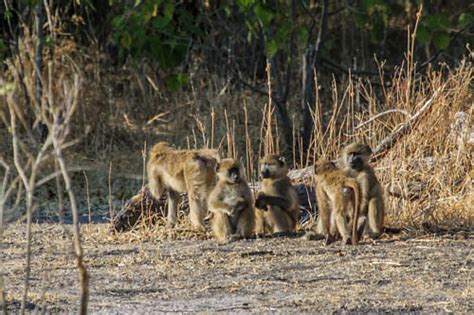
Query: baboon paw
x: 346, y: 241
x: 281, y: 234
x: 328, y: 241
x: 310, y: 236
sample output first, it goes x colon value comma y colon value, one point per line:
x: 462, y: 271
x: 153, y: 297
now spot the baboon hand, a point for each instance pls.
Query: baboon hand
x: 261, y: 204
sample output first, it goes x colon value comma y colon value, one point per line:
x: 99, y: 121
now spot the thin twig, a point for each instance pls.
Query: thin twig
x: 382, y: 114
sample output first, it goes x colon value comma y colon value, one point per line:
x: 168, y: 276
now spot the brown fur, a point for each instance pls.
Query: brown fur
x: 336, y: 195
x: 356, y: 158
x: 179, y: 171
x: 231, y: 203
x: 277, y: 203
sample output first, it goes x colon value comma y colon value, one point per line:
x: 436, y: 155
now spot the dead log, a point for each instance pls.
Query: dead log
x: 143, y: 207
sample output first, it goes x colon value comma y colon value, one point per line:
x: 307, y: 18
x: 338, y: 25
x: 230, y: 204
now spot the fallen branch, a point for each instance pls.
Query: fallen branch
x: 382, y: 114
x: 387, y: 143
x: 143, y: 207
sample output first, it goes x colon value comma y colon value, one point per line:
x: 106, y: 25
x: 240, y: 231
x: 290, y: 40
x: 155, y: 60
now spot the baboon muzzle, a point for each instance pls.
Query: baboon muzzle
x: 234, y: 175
x: 356, y: 162
x: 265, y: 173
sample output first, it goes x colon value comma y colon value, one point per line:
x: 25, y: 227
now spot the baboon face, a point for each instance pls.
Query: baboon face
x: 230, y: 170
x: 356, y: 155
x: 273, y: 166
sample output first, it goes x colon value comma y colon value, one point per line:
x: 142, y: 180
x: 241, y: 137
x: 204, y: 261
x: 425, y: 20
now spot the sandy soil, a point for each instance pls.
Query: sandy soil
x: 144, y: 272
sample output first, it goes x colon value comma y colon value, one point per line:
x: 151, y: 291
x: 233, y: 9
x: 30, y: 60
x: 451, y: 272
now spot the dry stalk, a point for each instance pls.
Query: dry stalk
x: 29, y: 182
x: 249, y: 155
x: 89, y: 208
x: 268, y: 144
x: 111, y: 204
x: 83, y: 275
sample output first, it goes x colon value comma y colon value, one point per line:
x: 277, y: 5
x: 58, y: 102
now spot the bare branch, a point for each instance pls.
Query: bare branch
x: 382, y: 114
x: 403, y: 129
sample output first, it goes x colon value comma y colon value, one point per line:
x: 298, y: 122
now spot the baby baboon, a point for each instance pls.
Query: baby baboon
x: 178, y: 171
x: 231, y: 203
x: 277, y: 203
x: 336, y: 194
x: 356, y: 158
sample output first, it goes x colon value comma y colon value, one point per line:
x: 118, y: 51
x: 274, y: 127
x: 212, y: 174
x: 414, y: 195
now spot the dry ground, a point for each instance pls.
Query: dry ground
x: 140, y: 272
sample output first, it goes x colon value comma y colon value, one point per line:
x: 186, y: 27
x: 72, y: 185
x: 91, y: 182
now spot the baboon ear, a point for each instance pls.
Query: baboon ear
x: 282, y: 160
x: 369, y: 149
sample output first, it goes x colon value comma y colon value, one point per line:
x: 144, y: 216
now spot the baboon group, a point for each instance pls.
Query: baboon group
x: 349, y: 198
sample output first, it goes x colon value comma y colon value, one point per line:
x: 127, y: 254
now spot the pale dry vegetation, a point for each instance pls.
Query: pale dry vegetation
x: 420, y: 123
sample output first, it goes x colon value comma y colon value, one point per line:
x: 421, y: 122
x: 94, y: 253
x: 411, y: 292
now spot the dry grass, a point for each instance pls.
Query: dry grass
x: 427, y: 174
x: 142, y: 272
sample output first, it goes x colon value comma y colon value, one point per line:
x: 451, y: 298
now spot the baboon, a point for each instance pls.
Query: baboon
x: 336, y: 194
x: 356, y: 158
x: 179, y: 171
x: 277, y: 203
x: 231, y: 203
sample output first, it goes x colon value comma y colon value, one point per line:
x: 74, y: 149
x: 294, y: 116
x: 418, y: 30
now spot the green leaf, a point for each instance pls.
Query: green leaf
x: 361, y: 19
x: 437, y: 22
x: 271, y: 48
x: 303, y: 34
x: 465, y: 19
x: 175, y: 81
x: 118, y: 22
x: 244, y: 4
x: 442, y: 40
x: 3, y: 49
x: 125, y: 40
x: 169, y: 9
x: 422, y: 35
x: 161, y: 22
x: 263, y: 14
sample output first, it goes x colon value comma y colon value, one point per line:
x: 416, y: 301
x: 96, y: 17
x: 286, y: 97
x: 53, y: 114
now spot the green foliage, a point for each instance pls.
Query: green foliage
x: 373, y: 15
x: 3, y: 50
x: 274, y: 23
x: 438, y: 28
x: 161, y: 30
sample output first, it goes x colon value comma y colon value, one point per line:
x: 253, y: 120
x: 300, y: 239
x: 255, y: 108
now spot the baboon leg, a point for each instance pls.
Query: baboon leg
x: 361, y: 226
x: 197, y: 212
x: 376, y: 217
x: 324, y: 219
x: 156, y: 186
x: 282, y: 222
x: 333, y: 230
x: 173, y: 200
x: 341, y: 226
x: 259, y: 223
x: 246, y: 224
x: 221, y: 226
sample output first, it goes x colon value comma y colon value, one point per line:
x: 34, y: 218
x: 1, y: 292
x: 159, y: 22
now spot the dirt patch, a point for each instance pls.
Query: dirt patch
x: 137, y: 272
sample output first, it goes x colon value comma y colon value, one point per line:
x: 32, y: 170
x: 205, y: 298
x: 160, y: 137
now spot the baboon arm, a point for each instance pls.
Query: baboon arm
x: 364, y: 193
x: 263, y: 201
x: 221, y: 226
x: 216, y: 201
x: 324, y: 211
x: 216, y: 205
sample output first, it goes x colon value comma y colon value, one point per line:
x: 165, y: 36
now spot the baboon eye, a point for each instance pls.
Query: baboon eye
x: 281, y: 161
